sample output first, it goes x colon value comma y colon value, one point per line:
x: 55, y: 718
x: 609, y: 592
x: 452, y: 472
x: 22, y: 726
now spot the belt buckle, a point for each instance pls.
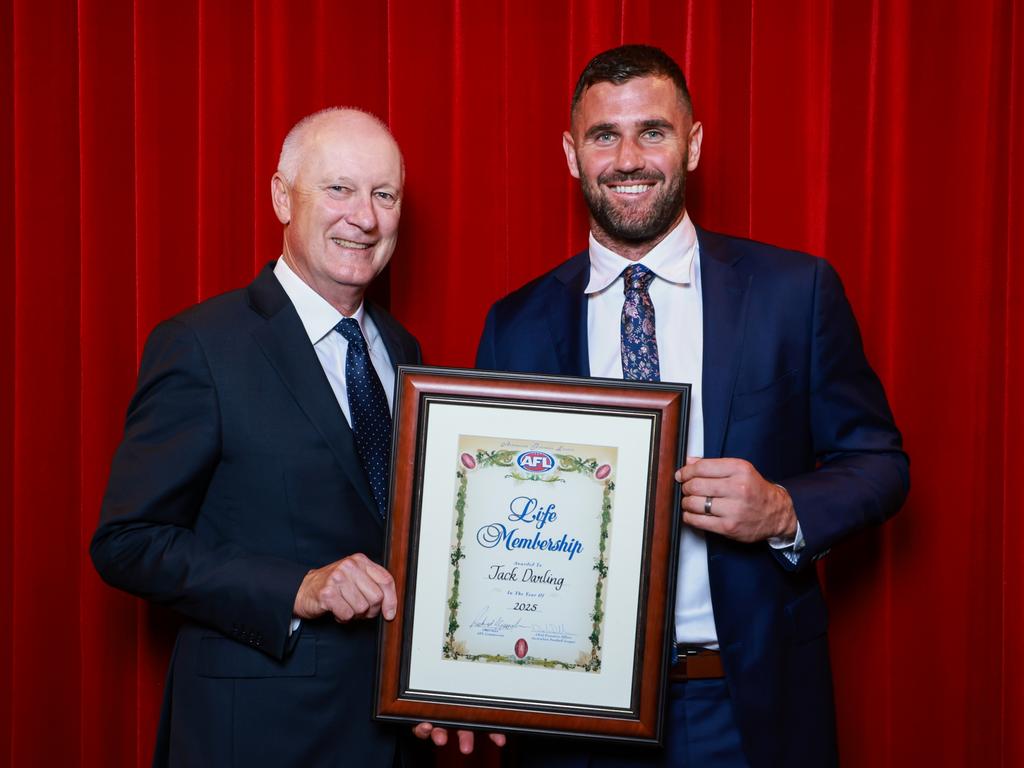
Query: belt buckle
x: 681, y: 671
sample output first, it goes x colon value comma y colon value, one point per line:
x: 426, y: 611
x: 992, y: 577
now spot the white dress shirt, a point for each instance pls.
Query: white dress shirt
x: 319, y: 318
x: 676, y: 296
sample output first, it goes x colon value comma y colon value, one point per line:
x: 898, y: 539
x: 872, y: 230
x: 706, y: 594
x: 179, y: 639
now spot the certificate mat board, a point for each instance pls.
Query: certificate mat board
x: 532, y: 535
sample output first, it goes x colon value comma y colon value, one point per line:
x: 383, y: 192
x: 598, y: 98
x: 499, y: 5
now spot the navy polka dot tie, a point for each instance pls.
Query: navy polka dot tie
x: 639, y: 342
x: 368, y: 405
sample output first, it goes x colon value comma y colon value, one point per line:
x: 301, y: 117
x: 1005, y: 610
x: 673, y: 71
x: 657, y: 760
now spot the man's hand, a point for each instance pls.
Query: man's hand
x: 440, y: 737
x: 352, y: 588
x: 744, y: 506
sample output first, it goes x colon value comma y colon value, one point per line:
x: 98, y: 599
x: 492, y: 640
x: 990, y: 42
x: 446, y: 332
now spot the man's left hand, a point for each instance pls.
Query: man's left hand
x: 744, y: 506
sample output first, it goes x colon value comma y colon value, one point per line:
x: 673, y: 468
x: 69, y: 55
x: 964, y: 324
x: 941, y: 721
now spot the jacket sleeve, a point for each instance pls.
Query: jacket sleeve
x: 146, y: 542
x: 862, y: 476
x: 486, y: 358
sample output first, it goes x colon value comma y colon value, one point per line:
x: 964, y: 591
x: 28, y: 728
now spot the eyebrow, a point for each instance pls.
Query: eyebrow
x: 656, y: 122
x: 594, y: 130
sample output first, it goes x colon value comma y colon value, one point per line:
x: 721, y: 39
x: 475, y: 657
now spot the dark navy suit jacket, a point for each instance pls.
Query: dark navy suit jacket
x: 237, y: 474
x: 786, y: 386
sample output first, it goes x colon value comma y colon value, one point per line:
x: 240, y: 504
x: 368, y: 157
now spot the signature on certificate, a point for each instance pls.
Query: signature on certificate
x: 486, y: 622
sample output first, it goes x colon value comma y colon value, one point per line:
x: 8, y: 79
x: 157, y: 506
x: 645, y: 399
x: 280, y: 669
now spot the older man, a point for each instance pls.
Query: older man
x: 249, y: 492
x: 797, y: 443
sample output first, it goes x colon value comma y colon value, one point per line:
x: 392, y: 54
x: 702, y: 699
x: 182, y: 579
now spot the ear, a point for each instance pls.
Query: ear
x: 279, y: 196
x: 569, y: 147
x: 693, y: 146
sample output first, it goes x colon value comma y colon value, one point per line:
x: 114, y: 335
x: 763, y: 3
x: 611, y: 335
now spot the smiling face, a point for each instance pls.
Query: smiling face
x: 631, y: 146
x: 340, y: 211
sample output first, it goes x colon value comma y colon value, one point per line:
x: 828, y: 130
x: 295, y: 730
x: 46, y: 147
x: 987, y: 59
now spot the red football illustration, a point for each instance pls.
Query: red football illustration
x: 468, y: 461
x: 603, y: 471
x: 521, y: 648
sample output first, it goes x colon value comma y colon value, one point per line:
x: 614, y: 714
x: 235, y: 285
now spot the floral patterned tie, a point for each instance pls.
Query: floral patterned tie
x: 639, y: 343
x: 371, y: 417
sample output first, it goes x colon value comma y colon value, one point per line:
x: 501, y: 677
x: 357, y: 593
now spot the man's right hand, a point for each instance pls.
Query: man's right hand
x: 354, y: 587
x: 466, y: 741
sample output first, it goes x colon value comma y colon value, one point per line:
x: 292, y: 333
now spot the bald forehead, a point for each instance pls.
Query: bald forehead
x: 350, y: 124
x: 333, y: 131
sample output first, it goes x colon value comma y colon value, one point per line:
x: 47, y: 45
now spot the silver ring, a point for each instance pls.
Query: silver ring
x: 707, y: 504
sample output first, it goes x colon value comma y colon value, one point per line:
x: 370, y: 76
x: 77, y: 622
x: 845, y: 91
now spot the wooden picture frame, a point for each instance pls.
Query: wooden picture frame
x: 533, y: 536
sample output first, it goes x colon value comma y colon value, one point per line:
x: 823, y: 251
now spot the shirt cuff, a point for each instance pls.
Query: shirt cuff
x: 787, y: 547
x: 795, y: 542
x: 296, y: 623
x: 792, y: 543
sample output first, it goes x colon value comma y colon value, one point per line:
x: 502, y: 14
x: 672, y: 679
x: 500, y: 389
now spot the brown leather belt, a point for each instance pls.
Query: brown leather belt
x: 699, y: 665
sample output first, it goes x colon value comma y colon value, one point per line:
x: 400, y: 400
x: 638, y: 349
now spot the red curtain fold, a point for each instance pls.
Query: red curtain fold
x: 136, y: 150
x: 45, y: 364
x: 7, y: 386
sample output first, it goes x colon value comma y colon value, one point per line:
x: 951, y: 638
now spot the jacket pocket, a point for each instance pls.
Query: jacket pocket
x: 221, y: 657
x: 747, y: 404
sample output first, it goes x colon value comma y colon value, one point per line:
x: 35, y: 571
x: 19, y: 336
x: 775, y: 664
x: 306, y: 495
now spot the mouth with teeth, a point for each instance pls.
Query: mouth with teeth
x: 351, y: 244
x: 630, y: 189
x: 633, y: 184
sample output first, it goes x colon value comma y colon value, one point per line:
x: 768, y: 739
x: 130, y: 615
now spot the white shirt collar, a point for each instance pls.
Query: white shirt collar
x: 672, y: 259
x: 317, y: 315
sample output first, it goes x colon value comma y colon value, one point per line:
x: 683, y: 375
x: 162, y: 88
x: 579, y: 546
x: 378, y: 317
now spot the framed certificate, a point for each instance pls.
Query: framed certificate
x: 533, y: 535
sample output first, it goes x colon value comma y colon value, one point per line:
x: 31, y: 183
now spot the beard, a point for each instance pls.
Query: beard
x: 640, y: 225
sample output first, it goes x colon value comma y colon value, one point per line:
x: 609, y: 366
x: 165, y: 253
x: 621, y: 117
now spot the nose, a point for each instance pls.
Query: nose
x: 362, y: 214
x: 630, y: 156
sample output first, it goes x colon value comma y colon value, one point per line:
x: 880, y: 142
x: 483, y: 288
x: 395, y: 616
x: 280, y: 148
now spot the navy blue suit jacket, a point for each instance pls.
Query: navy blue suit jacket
x: 237, y: 474
x: 785, y: 386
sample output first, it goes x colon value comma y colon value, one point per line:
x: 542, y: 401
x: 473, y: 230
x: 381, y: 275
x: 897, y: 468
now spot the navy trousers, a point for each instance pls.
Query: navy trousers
x: 700, y: 731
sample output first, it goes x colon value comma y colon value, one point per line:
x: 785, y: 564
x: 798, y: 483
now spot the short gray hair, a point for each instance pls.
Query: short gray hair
x: 291, y: 147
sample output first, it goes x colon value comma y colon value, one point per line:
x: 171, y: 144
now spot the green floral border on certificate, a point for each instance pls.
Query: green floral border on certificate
x: 453, y: 649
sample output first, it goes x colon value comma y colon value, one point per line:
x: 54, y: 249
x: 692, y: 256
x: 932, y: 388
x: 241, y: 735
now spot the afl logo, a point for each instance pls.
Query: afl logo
x: 536, y: 462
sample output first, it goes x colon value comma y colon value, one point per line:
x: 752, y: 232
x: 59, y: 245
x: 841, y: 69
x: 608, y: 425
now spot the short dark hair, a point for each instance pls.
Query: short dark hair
x: 627, y: 62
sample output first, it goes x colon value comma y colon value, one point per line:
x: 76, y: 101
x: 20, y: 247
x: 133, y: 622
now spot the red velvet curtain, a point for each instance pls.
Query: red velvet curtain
x: 136, y: 147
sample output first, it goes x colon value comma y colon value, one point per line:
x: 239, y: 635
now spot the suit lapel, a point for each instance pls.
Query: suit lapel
x: 566, y: 316
x: 725, y: 292
x: 286, y: 345
x: 398, y: 350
